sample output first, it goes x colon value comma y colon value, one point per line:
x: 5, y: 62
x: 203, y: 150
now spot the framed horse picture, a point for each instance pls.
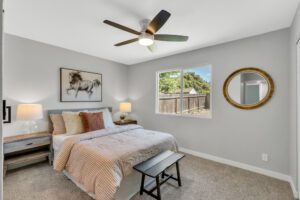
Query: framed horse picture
x: 80, y: 86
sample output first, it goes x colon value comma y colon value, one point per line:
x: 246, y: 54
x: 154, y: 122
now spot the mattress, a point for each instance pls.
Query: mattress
x: 57, y: 140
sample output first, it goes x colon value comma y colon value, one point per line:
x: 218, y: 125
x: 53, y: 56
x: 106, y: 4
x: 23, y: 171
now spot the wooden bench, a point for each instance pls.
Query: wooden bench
x: 156, y: 166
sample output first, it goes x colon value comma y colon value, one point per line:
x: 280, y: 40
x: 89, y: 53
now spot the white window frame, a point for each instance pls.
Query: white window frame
x: 181, y: 69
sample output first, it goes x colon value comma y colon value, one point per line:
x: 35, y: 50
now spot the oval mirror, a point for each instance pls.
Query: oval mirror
x: 248, y: 88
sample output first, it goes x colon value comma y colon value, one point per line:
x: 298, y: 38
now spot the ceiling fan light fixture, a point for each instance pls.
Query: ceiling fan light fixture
x: 146, y: 39
x: 148, y: 33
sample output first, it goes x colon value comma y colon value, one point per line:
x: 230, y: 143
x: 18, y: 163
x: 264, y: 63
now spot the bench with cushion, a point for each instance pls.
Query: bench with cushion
x: 156, y: 166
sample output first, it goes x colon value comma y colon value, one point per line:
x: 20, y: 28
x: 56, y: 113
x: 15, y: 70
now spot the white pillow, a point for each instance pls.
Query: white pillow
x: 73, y: 123
x: 108, y: 122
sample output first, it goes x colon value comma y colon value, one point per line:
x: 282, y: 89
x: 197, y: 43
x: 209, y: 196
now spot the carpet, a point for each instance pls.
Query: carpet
x: 202, y: 180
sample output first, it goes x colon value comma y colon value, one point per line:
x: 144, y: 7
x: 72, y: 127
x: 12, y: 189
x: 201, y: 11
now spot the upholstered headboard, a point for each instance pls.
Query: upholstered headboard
x: 59, y: 111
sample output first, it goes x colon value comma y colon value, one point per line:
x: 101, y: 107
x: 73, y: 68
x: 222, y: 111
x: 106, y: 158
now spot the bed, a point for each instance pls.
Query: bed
x: 100, y: 162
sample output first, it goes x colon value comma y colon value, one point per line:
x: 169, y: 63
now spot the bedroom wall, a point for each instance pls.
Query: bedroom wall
x: 294, y: 36
x: 32, y: 76
x: 234, y: 134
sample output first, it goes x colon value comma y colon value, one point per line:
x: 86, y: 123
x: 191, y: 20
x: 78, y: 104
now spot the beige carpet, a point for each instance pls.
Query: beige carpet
x: 202, y: 180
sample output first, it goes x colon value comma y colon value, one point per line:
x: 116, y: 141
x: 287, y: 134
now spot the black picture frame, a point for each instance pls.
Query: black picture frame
x: 81, y: 71
x: 6, y: 113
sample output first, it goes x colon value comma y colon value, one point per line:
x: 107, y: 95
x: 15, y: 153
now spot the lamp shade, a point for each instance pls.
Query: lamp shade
x: 125, y: 107
x: 29, y: 112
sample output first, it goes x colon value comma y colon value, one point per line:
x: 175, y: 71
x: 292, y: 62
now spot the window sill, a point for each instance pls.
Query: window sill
x: 209, y: 116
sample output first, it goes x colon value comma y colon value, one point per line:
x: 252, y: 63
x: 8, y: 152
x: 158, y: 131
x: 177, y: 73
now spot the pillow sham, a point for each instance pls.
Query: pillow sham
x: 107, y: 117
x: 73, y: 123
x: 58, y: 124
x: 92, y: 121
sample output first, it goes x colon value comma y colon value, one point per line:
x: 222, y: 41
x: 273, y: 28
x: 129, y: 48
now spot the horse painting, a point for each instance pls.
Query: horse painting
x: 77, y: 83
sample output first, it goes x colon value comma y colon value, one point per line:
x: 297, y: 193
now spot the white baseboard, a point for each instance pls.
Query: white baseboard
x: 295, y: 192
x: 244, y: 166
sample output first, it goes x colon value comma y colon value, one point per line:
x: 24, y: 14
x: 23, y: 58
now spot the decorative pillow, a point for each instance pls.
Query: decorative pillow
x: 92, y: 121
x: 73, y: 123
x: 58, y: 124
x: 107, y: 118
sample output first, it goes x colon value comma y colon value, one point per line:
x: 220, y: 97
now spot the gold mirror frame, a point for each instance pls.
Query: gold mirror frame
x: 262, y: 73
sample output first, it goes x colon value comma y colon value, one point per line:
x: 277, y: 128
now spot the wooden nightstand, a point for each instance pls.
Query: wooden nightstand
x: 22, y: 150
x: 126, y: 122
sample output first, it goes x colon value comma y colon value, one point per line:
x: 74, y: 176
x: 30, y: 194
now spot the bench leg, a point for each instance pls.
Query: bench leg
x: 158, y: 188
x: 178, y: 174
x: 163, y: 175
x: 142, y: 184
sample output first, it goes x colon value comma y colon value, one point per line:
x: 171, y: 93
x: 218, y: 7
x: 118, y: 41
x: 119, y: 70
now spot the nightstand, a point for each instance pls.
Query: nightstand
x: 26, y: 149
x: 126, y: 122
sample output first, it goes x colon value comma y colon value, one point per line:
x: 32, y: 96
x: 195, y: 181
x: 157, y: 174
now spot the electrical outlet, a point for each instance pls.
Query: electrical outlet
x: 264, y: 157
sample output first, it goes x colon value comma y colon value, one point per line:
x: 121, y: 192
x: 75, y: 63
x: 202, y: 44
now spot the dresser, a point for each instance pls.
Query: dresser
x: 26, y: 149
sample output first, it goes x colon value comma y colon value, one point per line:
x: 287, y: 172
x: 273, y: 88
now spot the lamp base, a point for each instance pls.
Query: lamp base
x: 30, y: 127
x: 122, y: 117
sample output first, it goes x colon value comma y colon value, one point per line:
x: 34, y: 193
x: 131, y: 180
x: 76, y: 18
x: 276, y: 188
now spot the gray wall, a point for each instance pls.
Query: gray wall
x: 32, y: 76
x: 295, y: 35
x: 239, y: 135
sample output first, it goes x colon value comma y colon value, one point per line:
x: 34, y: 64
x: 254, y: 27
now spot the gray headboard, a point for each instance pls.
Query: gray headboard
x: 59, y: 111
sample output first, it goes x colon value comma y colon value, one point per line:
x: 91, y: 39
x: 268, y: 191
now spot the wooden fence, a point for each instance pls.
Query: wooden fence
x: 170, y: 103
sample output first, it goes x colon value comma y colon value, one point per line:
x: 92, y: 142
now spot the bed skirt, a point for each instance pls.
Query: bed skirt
x: 130, y: 185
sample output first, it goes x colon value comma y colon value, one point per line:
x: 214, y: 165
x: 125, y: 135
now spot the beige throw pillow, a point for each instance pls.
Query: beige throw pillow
x: 58, y: 124
x: 73, y: 123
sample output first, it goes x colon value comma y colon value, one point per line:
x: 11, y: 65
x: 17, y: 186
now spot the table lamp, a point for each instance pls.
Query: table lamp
x: 125, y: 107
x: 30, y: 113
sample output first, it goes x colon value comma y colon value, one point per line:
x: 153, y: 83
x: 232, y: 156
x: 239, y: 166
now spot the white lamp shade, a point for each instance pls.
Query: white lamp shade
x: 29, y: 112
x: 125, y: 107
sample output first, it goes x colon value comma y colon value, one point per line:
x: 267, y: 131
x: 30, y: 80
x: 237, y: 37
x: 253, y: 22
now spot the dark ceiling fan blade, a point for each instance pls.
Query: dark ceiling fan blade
x: 127, y: 42
x: 119, y: 26
x: 171, y: 38
x: 158, y: 21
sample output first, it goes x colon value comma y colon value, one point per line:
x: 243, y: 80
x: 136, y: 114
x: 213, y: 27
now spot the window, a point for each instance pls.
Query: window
x: 184, y: 92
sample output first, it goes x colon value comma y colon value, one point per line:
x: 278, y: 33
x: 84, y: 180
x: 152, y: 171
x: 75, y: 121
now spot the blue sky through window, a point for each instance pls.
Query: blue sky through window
x: 204, y: 72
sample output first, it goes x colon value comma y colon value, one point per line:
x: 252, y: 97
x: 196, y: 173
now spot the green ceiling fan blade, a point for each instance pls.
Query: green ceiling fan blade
x: 171, y: 38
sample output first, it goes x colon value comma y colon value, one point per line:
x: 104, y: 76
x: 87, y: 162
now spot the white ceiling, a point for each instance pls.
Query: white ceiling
x: 77, y: 24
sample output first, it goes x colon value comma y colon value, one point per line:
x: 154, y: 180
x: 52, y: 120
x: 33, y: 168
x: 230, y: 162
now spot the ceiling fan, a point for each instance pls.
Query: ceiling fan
x: 147, y: 35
